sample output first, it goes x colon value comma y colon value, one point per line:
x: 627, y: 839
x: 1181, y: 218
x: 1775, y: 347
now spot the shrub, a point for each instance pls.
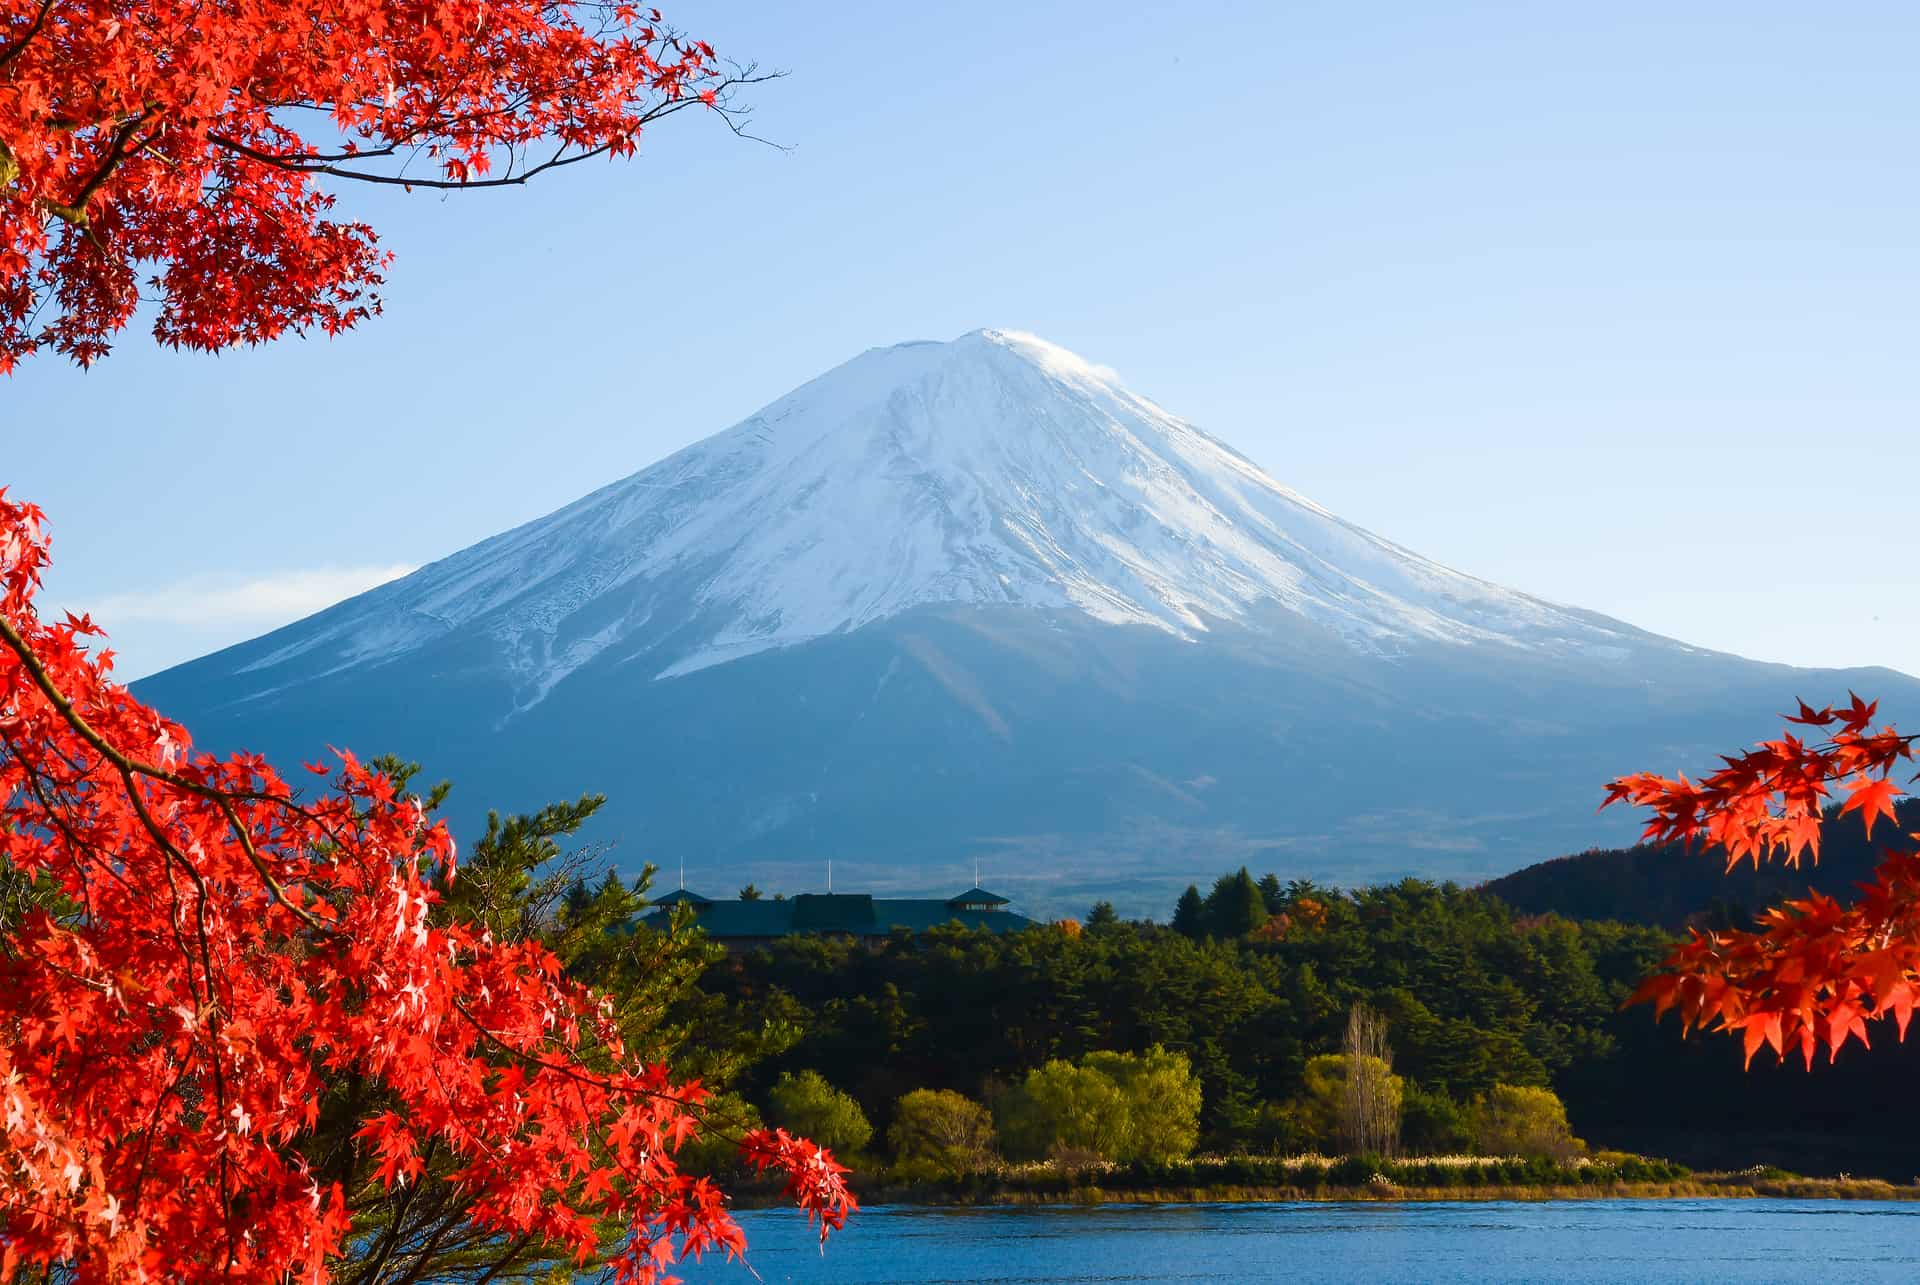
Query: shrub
x: 1523, y: 1120
x: 1278, y: 1129
x: 1069, y: 1159
x: 1238, y: 1170
x: 1433, y: 1124
x: 1114, y: 1106
x: 1061, y: 1105
x: 1354, y: 1171
x: 940, y: 1132
x: 805, y: 1104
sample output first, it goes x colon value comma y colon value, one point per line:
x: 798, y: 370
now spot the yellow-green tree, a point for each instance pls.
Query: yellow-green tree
x: 1522, y: 1120
x: 1062, y: 1107
x: 937, y: 1133
x: 1325, y: 1112
x: 1162, y: 1098
x: 1117, y: 1106
x: 806, y: 1105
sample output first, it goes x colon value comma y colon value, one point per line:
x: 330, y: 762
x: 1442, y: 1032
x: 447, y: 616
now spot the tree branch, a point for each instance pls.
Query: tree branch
x: 129, y: 767
x: 17, y: 47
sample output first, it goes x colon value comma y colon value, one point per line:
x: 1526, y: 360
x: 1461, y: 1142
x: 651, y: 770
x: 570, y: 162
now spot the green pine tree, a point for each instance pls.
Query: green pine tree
x: 1190, y: 914
x: 1235, y: 907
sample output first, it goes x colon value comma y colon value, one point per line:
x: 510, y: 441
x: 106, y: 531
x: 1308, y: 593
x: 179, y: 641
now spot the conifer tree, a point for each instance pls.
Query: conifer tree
x: 1190, y: 914
x: 1235, y: 907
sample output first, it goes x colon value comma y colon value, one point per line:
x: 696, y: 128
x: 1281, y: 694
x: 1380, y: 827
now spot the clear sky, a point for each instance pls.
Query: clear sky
x: 1618, y: 304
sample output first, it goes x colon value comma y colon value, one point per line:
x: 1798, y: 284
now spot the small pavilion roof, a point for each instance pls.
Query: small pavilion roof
x: 977, y: 896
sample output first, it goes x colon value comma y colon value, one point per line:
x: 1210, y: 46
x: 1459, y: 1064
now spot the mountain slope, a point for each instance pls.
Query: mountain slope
x: 997, y: 470
x: 977, y: 597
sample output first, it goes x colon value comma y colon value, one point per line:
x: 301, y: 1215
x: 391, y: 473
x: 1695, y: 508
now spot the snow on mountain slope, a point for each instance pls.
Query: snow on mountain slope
x: 995, y: 469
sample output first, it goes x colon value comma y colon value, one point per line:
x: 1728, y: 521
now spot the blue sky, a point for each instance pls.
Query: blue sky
x: 1619, y: 306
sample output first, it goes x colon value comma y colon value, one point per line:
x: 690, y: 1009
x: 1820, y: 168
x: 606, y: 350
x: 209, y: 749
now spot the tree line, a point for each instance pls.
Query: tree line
x: 1248, y: 994
x: 1491, y: 1017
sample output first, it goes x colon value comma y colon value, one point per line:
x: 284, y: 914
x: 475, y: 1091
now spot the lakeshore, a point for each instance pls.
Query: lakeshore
x: 1262, y: 1180
x: 1703, y: 1187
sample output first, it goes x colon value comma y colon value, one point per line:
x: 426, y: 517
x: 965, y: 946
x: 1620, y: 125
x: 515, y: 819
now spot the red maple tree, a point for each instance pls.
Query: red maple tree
x: 205, y: 949
x: 186, y: 141
x: 1814, y: 972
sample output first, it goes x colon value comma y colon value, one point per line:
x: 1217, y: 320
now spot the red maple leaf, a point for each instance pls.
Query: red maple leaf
x: 1871, y: 797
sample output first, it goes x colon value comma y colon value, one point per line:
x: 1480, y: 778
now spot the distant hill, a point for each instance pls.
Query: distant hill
x: 1672, y: 888
x: 1708, y: 1111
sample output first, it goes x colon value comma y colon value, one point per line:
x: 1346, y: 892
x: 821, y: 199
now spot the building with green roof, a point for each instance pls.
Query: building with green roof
x: 745, y: 925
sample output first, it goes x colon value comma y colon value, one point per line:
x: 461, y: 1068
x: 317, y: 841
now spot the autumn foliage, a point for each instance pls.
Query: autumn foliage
x: 1814, y: 972
x: 206, y: 950
x: 191, y: 149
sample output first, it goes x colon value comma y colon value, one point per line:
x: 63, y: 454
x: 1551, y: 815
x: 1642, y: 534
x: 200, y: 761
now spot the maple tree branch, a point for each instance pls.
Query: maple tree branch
x: 75, y: 212
x: 395, y: 1225
x: 625, y: 1085
x: 172, y: 854
x: 15, y: 48
x: 35, y: 787
x: 153, y: 1118
x: 395, y: 180
x: 338, y: 164
x: 440, y: 124
x: 129, y: 766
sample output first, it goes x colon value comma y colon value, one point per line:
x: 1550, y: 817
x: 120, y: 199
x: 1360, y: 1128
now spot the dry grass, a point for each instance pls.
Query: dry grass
x: 1706, y: 1187
x: 1099, y: 1183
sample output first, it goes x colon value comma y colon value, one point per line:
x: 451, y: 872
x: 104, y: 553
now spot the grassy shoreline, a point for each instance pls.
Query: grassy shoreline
x: 1706, y: 1186
x: 1315, y: 1181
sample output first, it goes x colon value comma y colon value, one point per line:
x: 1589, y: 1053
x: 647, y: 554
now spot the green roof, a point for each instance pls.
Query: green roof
x: 851, y: 914
x: 977, y: 896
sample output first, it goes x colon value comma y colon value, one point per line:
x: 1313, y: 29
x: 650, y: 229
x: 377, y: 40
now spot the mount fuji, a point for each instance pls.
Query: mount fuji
x: 978, y: 600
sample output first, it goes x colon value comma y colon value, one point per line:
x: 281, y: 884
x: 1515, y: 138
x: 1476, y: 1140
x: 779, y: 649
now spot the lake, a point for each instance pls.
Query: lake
x: 1601, y: 1240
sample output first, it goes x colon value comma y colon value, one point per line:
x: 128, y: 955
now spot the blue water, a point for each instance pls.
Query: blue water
x: 1603, y: 1240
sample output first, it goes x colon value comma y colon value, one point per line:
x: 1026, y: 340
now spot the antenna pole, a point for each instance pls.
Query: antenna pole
x: 829, y: 875
x: 683, y: 874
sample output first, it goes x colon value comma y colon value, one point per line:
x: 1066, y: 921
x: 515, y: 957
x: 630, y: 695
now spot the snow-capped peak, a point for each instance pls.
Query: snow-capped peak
x: 997, y: 469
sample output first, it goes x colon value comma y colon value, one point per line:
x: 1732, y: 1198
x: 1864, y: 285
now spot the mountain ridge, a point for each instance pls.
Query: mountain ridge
x: 966, y: 598
x: 995, y: 469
